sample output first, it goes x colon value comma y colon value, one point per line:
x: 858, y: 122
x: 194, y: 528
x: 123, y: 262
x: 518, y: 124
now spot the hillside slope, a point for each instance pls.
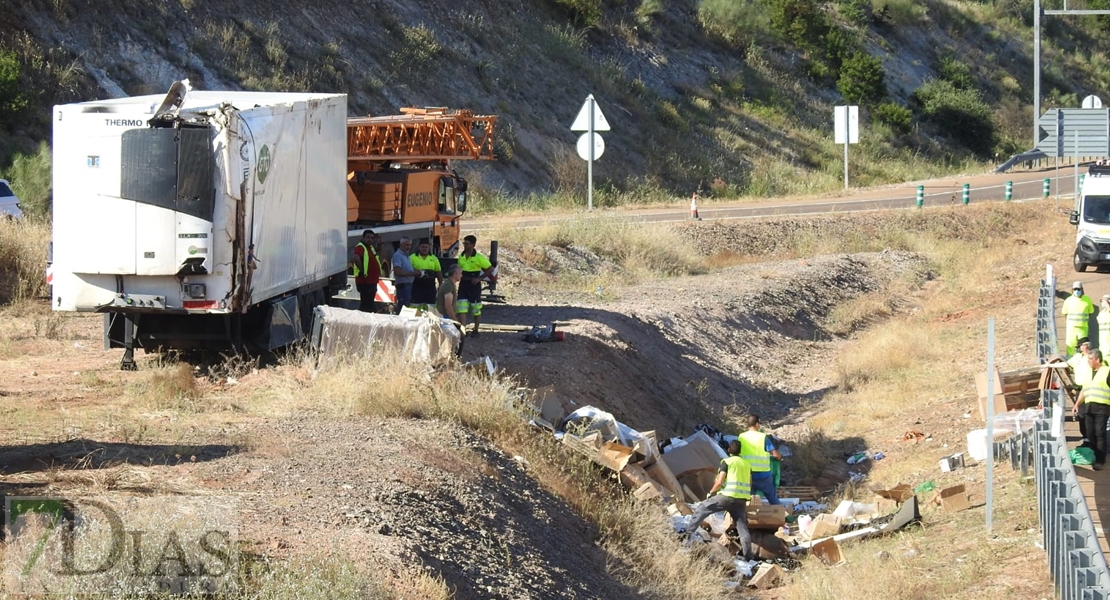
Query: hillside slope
x: 725, y: 99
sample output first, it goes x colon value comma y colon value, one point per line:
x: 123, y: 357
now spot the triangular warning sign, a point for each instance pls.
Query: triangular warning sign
x: 582, y: 121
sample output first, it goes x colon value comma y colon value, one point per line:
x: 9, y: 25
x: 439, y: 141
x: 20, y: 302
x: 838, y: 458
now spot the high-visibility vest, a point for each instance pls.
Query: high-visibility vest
x: 1081, y: 369
x: 420, y: 263
x: 1077, y: 308
x: 366, y: 251
x: 1103, y: 330
x: 473, y: 264
x: 1096, y: 391
x: 753, y: 448
x: 738, y: 479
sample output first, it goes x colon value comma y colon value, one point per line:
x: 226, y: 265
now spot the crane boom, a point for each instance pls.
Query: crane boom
x: 421, y: 135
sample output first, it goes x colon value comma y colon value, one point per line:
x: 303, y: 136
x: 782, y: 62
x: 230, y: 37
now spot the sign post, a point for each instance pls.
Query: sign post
x: 590, y: 145
x: 846, y: 131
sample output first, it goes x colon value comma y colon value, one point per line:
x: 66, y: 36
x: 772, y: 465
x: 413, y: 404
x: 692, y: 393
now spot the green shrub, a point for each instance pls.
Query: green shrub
x: 899, y: 118
x: 861, y: 79
x: 736, y: 22
x: 950, y: 69
x: 418, y: 50
x: 799, y: 21
x: 648, y: 9
x: 960, y: 114
x: 30, y: 179
x: 856, y: 12
x: 585, y: 12
x: 13, y: 92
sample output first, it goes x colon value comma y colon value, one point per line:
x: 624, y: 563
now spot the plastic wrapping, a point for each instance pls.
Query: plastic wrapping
x: 338, y: 331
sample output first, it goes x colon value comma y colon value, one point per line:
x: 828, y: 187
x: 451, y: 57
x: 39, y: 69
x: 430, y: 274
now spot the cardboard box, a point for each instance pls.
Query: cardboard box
x: 679, y: 508
x: 614, y: 456
x: 768, y: 546
x: 766, y: 516
x: 898, y: 493
x: 953, y: 499
x: 659, y: 472
x: 699, y: 452
x: 649, y: 491
x: 828, y: 551
x: 825, y: 525
x: 633, y: 476
x: 766, y: 577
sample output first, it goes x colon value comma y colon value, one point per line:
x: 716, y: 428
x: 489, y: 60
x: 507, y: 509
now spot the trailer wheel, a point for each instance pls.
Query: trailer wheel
x: 1078, y: 263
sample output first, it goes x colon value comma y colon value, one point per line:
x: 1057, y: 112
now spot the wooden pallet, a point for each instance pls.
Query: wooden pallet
x: 803, y: 493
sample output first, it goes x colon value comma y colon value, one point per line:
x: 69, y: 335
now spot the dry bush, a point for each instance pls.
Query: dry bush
x: 642, y: 252
x: 23, y: 247
x: 654, y: 558
x: 333, y: 577
x: 170, y: 387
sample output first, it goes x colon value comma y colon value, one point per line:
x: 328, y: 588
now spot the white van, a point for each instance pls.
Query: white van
x: 1092, y: 220
x: 9, y: 202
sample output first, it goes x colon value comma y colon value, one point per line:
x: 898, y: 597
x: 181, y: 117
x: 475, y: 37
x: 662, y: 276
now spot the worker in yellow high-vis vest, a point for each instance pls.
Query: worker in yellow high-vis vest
x: 1082, y: 374
x: 1096, y: 395
x: 757, y: 448
x: 1077, y: 308
x: 735, y: 476
x: 1103, y: 319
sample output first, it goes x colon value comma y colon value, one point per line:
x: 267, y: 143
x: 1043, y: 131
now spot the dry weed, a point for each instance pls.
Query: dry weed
x: 171, y: 387
x: 23, y: 246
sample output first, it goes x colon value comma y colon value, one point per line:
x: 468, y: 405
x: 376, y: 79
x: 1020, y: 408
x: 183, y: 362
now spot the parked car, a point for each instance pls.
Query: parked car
x: 9, y: 202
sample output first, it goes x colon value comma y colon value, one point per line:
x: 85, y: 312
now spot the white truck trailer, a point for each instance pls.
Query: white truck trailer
x: 199, y: 219
x: 1092, y: 220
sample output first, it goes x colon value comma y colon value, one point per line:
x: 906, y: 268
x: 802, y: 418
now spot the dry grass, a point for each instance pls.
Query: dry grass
x: 645, y: 554
x: 23, y: 247
x: 638, y: 251
x: 169, y: 387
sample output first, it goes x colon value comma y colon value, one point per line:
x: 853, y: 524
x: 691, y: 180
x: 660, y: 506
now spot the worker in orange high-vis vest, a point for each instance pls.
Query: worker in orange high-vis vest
x: 1096, y: 397
x: 1078, y: 309
x: 757, y: 448
x: 367, y: 271
x: 735, y: 476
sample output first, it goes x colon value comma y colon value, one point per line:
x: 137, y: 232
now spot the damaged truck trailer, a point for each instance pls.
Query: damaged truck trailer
x: 200, y: 220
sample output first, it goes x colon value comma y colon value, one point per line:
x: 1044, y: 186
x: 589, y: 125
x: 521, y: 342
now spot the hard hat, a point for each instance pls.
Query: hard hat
x: 1078, y: 285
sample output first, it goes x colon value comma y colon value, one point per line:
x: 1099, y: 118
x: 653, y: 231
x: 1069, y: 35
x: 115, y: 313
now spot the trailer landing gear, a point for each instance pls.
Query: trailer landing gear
x: 127, y: 363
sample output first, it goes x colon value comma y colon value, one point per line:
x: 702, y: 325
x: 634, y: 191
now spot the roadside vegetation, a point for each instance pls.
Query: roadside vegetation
x: 747, y: 114
x: 907, y: 352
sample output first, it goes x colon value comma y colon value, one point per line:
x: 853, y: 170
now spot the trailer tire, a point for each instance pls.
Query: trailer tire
x: 1078, y: 263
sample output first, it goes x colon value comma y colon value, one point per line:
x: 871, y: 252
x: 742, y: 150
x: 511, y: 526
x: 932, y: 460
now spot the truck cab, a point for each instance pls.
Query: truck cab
x: 1092, y: 220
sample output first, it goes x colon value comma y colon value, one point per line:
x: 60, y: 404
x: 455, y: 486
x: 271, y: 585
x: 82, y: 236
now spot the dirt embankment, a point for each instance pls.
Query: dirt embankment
x: 669, y: 355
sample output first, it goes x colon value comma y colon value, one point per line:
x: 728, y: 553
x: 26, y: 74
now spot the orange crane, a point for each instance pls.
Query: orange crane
x: 400, y: 181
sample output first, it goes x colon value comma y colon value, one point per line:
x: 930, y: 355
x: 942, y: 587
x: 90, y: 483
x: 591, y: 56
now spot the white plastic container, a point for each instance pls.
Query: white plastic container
x: 977, y: 441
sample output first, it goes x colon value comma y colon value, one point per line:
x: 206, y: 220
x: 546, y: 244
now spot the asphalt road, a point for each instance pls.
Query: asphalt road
x: 990, y: 187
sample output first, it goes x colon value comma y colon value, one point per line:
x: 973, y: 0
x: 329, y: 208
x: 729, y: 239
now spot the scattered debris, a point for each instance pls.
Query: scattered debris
x: 953, y: 499
x: 913, y: 436
x: 952, y: 463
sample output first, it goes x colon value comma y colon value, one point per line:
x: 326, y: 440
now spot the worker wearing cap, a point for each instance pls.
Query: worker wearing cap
x: 1103, y: 319
x: 1077, y: 308
x: 1096, y: 394
x: 735, y: 475
x: 1081, y: 374
x: 757, y: 448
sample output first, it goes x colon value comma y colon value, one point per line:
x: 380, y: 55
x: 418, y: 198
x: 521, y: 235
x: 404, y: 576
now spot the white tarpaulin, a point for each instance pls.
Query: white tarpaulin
x: 338, y: 331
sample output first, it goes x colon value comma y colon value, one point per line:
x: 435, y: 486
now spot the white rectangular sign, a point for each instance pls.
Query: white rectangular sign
x: 847, y: 118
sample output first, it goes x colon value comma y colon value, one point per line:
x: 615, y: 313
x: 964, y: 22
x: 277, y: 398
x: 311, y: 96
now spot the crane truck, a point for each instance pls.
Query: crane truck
x: 219, y: 220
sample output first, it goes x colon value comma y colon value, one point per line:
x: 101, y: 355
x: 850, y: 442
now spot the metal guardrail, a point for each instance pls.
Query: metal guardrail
x: 1075, y: 558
